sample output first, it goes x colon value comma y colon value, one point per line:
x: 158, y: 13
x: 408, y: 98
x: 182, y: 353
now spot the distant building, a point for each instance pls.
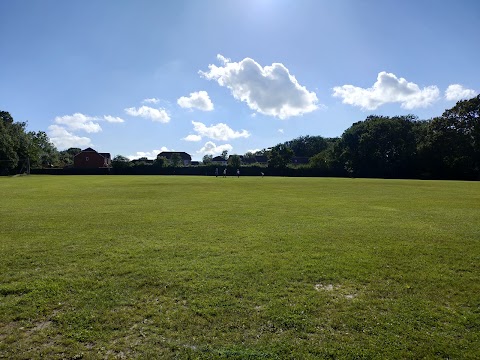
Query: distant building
x: 90, y: 158
x: 219, y: 160
x: 186, y: 158
x: 257, y: 159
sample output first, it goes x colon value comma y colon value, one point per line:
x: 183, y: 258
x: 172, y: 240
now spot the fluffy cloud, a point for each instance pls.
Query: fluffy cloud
x: 197, y: 100
x: 147, y: 112
x: 192, y: 138
x: 63, y: 139
x: 112, y: 119
x: 269, y: 90
x: 150, y: 101
x: 388, y: 89
x: 148, y: 154
x: 280, y: 131
x: 211, y: 149
x: 79, y: 121
x: 457, y: 92
x: 218, y: 132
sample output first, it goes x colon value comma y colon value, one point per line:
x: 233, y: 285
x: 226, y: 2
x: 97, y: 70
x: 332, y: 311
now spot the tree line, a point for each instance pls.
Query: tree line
x: 445, y: 147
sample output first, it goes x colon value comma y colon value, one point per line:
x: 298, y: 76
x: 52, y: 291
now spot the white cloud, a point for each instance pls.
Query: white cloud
x: 147, y: 112
x: 112, y: 119
x: 218, y: 132
x: 457, y: 92
x: 79, y: 121
x: 63, y: 139
x: 269, y: 90
x: 211, y: 149
x: 192, y: 138
x: 150, y: 101
x: 280, y: 131
x: 253, y: 151
x: 148, y: 154
x: 388, y: 89
x: 197, y: 100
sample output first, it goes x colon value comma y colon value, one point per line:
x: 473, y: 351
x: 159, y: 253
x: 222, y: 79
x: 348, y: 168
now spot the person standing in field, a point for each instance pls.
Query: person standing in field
x: 216, y: 172
x: 225, y: 173
x: 238, y: 173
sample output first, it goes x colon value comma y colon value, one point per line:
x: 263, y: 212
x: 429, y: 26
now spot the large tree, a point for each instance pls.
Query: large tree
x: 307, y: 145
x: 17, y: 146
x: 451, y: 143
x: 280, y: 156
x: 235, y: 161
x: 66, y: 156
x: 380, y: 146
x: 8, y: 153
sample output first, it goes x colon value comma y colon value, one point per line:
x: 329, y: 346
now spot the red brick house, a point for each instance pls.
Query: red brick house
x: 90, y: 158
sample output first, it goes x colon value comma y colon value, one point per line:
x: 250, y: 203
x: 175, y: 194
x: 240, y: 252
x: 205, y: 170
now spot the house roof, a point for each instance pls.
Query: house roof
x: 89, y: 150
x: 218, y: 159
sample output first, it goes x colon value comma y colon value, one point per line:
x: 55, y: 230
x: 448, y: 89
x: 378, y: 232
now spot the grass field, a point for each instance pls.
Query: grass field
x: 112, y: 267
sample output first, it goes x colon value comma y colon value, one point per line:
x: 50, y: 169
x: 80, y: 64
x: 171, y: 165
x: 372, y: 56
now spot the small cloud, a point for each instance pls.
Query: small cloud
x: 151, y: 101
x: 457, y: 92
x: 219, y: 131
x: 146, y: 154
x: 192, y: 138
x: 112, y: 119
x: 197, y: 100
x: 280, y: 131
x: 211, y: 148
x: 79, y: 121
x: 387, y: 89
x: 158, y: 115
x: 64, y: 139
x: 253, y: 151
x: 269, y: 90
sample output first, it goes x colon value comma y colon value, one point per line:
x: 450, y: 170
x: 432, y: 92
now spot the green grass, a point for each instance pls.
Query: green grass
x: 251, y: 268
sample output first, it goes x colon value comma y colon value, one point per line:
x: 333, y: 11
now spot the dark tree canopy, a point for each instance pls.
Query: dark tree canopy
x: 380, y: 146
x: 17, y: 146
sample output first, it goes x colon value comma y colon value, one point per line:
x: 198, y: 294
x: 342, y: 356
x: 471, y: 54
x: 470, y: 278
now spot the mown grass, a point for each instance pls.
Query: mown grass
x: 250, y: 268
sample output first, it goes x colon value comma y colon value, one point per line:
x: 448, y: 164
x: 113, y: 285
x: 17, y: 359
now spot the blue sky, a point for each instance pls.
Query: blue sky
x: 134, y: 78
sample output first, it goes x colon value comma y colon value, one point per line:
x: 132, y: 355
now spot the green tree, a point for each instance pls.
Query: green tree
x: 249, y: 156
x: 280, y: 156
x: 159, y: 162
x: 176, y: 160
x: 42, y: 152
x: 8, y: 154
x: 224, y: 154
x: 380, y: 146
x: 17, y: 145
x: 451, y: 142
x: 307, y: 145
x: 66, y: 156
x: 235, y: 161
x: 207, y: 159
x: 121, y: 162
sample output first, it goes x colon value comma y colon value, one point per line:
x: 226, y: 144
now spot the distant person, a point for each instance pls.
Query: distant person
x: 238, y: 173
x: 225, y: 173
x: 216, y: 172
x: 262, y: 174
